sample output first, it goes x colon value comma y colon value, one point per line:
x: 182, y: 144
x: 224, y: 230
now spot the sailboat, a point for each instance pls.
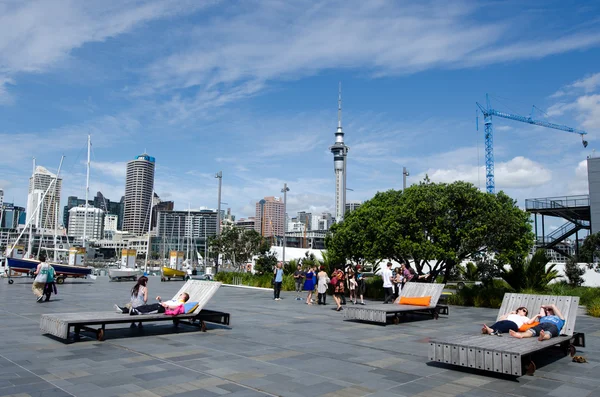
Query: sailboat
x: 17, y: 265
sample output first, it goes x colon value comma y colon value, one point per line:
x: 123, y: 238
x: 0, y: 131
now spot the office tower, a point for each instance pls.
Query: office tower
x: 40, y: 181
x: 139, y: 185
x: 1, y: 197
x: 111, y: 222
x: 353, y: 205
x: 246, y: 223
x: 91, y: 219
x: 306, y: 218
x: 160, y: 205
x: 340, y: 152
x: 270, y: 217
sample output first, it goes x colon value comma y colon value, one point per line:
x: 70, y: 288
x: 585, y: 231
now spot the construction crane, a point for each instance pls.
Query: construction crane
x: 488, y: 112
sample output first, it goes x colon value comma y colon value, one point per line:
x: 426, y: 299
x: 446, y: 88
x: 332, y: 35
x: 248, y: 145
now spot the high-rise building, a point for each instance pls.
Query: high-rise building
x: 270, y: 217
x: 246, y: 223
x: 158, y: 206
x: 101, y: 202
x: 1, y: 197
x: 322, y: 221
x: 86, y: 220
x: 340, y: 152
x: 353, y: 205
x: 111, y: 222
x: 11, y: 216
x: 306, y: 218
x: 139, y: 185
x: 40, y: 181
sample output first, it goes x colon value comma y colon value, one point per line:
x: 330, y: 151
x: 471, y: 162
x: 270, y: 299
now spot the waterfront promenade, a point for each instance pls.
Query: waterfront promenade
x: 282, y: 348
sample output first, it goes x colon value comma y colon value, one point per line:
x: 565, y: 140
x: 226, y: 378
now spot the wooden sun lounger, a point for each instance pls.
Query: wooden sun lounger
x: 380, y: 312
x: 60, y: 324
x: 505, y: 354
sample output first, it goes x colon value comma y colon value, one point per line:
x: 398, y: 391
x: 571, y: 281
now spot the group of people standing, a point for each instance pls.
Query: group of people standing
x: 394, y: 281
x: 341, y: 278
x: 44, y: 283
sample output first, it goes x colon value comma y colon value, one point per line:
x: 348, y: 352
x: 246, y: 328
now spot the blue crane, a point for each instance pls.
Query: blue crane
x: 488, y: 112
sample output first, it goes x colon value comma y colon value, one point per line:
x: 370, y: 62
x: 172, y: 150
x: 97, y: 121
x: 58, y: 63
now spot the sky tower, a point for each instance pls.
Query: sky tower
x: 340, y: 151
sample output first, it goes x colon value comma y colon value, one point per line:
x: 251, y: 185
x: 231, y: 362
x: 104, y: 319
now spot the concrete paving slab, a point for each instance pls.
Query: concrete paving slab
x: 272, y: 348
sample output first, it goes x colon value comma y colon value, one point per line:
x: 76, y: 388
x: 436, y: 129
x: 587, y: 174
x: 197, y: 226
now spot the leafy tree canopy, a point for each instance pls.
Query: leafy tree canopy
x: 239, y: 245
x: 436, y: 225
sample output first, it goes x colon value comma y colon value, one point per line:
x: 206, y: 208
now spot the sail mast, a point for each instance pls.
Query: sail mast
x: 149, y: 227
x: 87, y: 192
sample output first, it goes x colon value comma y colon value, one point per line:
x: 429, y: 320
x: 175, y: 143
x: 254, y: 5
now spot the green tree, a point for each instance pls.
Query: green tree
x: 573, y: 272
x: 265, y: 263
x: 590, y: 250
x: 239, y: 245
x: 435, y: 225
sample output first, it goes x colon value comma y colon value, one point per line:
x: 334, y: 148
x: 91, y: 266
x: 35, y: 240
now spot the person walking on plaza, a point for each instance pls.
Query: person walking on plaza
x: 309, y: 284
x: 277, y: 281
x: 337, y: 281
x: 388, y: 287
x: 298, y: 277
x: 41, y: 277
x: 50, y: 286
x: 322, y: 281
x: 352, y: 285
x: 361, y: 284
x: 551, y: 322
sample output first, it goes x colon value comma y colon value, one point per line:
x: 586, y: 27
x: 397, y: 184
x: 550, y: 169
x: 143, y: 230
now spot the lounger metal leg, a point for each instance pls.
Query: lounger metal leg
x: 202, y: 326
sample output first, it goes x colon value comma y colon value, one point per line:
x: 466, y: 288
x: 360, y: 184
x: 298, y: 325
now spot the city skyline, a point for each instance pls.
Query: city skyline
x: 196, y: 86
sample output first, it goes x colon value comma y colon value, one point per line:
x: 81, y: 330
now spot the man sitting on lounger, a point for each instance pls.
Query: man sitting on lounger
x: 155, y: 308
x: 551, y: 322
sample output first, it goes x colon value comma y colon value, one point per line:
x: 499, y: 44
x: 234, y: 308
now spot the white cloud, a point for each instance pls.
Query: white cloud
x: 503, y: 128
x: 237, y: 55
x: 586, y: 85
x: 579, y: 184
x: 116, y: 170
x: 5, y: 97
x: 519, y: 172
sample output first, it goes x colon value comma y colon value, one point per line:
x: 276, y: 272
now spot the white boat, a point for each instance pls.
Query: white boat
x: 123, y: 273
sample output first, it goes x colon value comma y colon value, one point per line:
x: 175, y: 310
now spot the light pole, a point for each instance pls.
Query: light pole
x: 404, y: 175
x: 219, y: 176
x: 284, y: 191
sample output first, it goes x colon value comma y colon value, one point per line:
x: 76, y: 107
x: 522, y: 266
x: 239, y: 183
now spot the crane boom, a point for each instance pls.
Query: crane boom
x: 488, y: 112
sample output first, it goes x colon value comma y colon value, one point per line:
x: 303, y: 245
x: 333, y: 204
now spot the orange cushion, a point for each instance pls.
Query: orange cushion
x: 415, y: 300
x: 525, y: 327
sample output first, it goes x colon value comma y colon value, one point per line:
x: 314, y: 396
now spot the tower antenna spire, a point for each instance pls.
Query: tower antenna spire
x: 340, y: 106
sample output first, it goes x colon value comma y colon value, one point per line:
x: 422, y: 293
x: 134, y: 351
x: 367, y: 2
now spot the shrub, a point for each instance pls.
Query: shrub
x: 573, y: 272
x: 593, y: 308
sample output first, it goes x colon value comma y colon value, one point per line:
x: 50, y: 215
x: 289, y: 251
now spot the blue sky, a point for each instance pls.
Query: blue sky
x: 250, y: 88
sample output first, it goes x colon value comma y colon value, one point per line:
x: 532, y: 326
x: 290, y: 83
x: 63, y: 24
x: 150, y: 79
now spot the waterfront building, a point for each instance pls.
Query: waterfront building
x: 306, y: 218
x: 340, y: 152
x: 91, y: 219
x: 246, y: 223
x: 139, y: 185
x: 39, y: 182
x: 269, y: 217
x: 296, y: 227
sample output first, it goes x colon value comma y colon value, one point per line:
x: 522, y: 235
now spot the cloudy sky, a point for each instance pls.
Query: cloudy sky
x: 250, y: 88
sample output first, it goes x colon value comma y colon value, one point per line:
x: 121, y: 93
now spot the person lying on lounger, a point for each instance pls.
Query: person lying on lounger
x: 510, y: 321
x: 160, y: 307
x: 551, y: 322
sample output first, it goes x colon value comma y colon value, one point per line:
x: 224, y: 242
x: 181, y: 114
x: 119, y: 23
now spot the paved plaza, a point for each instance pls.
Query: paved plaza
x: 273, y: 348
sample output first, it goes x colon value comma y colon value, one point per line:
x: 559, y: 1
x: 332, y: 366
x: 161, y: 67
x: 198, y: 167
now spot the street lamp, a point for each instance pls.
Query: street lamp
x: 405, y: 173
x: 284, y: 191
x: 219, y: 176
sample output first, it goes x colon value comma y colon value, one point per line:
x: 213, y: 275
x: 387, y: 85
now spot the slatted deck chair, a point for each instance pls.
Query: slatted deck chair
x: 60, y: 324
x: 509, y: 355
x: 380, y: 312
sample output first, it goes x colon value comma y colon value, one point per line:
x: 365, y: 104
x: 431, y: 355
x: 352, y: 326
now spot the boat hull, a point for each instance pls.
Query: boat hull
x: 168, y: 274
x: 28, y: 265
x: 127, y: 273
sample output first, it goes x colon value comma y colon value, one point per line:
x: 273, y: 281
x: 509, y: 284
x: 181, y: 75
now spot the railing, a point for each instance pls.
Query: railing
x: 562, y: 231
x: 558, y: 202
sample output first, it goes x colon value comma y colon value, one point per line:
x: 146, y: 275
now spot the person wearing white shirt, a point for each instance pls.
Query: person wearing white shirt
x: 388, y: 286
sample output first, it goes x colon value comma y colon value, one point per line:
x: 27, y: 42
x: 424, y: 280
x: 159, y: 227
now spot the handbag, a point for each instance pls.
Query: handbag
x: 333, y: 281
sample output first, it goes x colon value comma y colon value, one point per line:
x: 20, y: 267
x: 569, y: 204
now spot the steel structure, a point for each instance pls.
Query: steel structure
x: 488, y: 112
